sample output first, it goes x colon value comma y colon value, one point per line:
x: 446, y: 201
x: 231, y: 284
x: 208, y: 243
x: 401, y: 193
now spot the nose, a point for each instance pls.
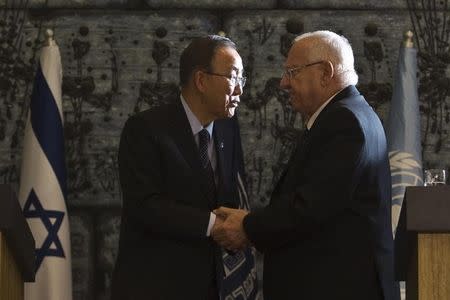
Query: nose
x: 237, y: 90
x: 285, y: 82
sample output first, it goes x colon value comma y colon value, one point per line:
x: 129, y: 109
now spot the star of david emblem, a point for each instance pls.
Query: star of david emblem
x: 52, y: 220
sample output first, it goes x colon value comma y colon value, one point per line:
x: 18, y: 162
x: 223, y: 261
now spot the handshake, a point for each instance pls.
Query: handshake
x: 228, y: 230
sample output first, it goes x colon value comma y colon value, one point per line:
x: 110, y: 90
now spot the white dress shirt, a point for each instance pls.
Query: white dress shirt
x: 196, y: 127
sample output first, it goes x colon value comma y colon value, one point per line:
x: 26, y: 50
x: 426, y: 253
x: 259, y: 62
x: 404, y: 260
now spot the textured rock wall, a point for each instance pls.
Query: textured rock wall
x: 121, y: 56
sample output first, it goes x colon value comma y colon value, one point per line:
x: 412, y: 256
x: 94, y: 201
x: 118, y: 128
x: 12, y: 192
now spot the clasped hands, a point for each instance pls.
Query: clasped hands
x: 228, y: 230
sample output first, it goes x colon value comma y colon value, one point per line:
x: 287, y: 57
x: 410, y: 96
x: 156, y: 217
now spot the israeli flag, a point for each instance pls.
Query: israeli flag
x: 42, y: 190
x: 403, y: 131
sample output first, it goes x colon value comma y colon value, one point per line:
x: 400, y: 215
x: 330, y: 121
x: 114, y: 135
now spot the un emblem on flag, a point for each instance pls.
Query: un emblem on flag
x: 405, y: 171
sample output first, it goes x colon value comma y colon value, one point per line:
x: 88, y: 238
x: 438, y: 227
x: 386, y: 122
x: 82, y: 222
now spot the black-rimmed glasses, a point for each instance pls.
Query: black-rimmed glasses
x: 291, y: 72
x: 234, y: 80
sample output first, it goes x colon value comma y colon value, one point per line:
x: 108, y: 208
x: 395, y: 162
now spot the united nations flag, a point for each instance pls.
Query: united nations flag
x: 403, y: 129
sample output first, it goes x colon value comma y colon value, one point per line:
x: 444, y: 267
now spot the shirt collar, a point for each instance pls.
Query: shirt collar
x: 196, y: 126
x: 313, y: 118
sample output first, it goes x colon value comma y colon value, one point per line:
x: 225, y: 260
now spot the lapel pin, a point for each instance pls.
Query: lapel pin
x: 221, y: 145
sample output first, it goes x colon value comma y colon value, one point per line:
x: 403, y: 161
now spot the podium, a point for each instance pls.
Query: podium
x: 17, y: 258
x: 422, y: 243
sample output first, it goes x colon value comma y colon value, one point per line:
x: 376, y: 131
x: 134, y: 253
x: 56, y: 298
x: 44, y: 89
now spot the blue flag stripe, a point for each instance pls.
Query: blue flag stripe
x: 47, y: 126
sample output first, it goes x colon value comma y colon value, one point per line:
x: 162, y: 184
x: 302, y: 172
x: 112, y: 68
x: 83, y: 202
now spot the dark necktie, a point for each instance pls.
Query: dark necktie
x: 203, y: 142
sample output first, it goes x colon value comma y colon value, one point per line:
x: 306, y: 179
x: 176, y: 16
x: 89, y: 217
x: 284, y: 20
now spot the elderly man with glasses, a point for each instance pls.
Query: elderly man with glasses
x: 326, y: 233
x: 177, y: 163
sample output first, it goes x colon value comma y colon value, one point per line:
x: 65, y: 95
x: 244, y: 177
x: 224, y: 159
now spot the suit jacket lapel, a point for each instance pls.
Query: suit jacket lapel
x: 182, y: 134
x: 221, y: 148
x: 223, y: 140
x: 183, y: 137
x: 297, y: 155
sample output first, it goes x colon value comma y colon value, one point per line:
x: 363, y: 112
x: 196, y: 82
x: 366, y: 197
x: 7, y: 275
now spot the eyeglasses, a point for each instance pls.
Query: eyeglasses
x: 234, y: 80
x: 291, y: 72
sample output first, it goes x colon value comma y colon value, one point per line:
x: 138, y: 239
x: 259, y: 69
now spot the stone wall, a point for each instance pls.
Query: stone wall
x: 121, y: 56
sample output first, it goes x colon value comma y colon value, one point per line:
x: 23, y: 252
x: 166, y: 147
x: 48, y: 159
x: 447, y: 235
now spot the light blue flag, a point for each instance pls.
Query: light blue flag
x: 403, y: 131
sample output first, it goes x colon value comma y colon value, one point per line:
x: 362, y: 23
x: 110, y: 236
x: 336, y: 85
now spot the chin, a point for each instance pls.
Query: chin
x: 230, y: 112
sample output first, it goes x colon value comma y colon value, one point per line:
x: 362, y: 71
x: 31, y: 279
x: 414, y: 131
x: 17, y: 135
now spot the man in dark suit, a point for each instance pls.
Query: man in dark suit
x: 326, y: 233
x: 177, y: 163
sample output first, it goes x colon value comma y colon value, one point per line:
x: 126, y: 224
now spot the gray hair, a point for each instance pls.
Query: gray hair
x: 327, y: 45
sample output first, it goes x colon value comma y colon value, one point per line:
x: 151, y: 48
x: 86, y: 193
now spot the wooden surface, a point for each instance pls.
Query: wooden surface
x: 11, y: 284
x: 434, y: 266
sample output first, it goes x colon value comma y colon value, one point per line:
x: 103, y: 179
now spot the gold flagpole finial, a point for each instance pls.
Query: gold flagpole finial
x: 49, y: 40
x: 408, y: 39
x: 222, y: 33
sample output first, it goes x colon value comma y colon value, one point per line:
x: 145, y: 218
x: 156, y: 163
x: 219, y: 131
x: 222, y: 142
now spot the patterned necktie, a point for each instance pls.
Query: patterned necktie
x: 203, y: 142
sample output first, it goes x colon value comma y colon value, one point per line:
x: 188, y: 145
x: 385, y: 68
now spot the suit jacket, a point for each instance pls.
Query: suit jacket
x: 163, y: 249
x: 326, y: 233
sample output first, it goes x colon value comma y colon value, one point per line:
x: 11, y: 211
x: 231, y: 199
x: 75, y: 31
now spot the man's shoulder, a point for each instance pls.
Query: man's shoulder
x: 227, y: 121
x: 356, y: 111
x: 350, y: 110
x: 156, y: 116
x: 353, y: 103
x: 227, y: 125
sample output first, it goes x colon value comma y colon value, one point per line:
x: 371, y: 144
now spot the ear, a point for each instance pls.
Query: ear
x: 199, y: 80
x: 328, y: 73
